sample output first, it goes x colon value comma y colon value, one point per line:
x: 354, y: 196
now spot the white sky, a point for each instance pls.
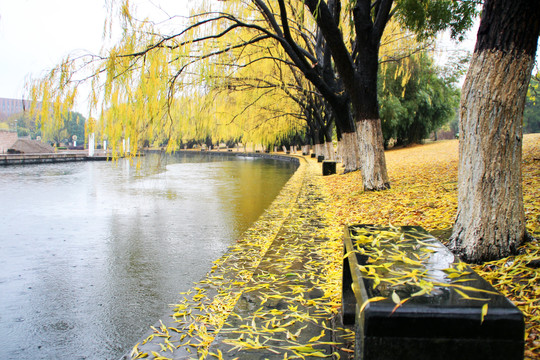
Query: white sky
x: 35, y: 35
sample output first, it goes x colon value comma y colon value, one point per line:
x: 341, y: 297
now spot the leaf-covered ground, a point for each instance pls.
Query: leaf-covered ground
x: 276, y: 293
x: 424, y: 192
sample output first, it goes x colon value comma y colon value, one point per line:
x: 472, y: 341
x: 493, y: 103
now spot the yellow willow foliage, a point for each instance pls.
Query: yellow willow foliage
x: 136, y: 104
x: 129, y: 86
x: 398, y: 45
x: 248, y: 82
x: 133, y: 91
x: 57, y: 95
x: 157, y: 89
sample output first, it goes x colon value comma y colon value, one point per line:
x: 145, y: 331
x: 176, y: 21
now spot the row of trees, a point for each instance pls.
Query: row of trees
x: 241, y: 112
x: 265, y: 70
x: 409, y: 114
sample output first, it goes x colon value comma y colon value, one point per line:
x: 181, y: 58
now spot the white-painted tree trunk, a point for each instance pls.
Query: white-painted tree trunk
x: 490, y: 221
x: 324, y: 151
x: 329, y: 152
x: 339, y: 152
x: 318, y: 150
x: 349, y: 152
x: 371, y: 155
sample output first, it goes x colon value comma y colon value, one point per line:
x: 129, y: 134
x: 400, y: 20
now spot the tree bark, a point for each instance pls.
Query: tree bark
x: 329, y: 152
x: 371, y: 155
x: 317, y: 149
x: 349, y: 151
x: 359, y: 77
x: 490, y: 222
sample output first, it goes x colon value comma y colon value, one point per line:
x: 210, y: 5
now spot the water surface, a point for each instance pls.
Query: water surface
x: 91, y: 253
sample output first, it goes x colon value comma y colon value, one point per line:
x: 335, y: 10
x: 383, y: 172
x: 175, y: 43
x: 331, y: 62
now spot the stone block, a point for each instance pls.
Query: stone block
x: 447, y: 322
x: 328, y: 167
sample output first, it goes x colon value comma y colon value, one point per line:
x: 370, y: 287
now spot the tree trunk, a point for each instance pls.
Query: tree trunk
x: 317, y: 149
x: 349, y: 151
x: 368, y: 122
x: 371, y: 155
x: 490, y: 222
x: 329, y: 152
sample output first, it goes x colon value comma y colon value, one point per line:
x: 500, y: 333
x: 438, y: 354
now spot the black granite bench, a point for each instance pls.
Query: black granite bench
x: 409, y: 298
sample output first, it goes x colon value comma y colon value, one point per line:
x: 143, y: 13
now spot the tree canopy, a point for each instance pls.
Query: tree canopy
x: 236, y: 70
x: 412, y: 110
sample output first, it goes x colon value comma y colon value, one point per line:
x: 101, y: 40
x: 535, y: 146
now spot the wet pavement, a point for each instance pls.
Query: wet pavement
x: 273, y: 294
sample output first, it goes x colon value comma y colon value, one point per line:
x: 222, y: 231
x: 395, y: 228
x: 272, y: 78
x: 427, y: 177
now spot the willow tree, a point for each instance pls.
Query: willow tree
x: 356, y: 66
x: 269, y: 94
x: 344, y: 75
x: 254, y: 92
x: 490, y: 221
x: 150, y: 70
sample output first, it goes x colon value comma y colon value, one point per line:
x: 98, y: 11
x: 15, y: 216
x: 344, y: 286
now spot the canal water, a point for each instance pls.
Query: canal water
x: 91, y: 253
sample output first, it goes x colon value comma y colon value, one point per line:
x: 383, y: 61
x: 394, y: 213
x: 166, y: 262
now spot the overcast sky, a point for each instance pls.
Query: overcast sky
x: 36, y: 34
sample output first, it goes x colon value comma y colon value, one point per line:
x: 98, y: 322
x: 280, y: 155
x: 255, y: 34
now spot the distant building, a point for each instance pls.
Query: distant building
x: 10, y: 107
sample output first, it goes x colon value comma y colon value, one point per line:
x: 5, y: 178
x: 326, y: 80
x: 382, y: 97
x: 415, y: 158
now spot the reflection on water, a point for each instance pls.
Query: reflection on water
x: 92, y: 253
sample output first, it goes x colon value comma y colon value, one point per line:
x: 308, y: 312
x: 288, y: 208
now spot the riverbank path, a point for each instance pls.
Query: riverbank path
x: 274, y: 295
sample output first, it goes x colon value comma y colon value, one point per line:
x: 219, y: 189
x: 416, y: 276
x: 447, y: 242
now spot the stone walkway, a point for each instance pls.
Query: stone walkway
x: 274, y: 295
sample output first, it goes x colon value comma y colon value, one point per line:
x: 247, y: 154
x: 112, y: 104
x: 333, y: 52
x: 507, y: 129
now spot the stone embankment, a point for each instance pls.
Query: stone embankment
x: 48, y: 158
x: 273, y: 295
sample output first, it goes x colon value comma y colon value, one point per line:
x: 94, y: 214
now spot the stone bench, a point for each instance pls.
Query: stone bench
x: 328, y: 167
x: 409, y: 298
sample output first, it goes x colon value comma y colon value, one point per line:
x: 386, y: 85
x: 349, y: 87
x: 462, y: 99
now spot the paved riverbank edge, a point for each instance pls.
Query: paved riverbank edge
x: 272, y: 294
x: 75, y: 156
x: 30, y: 159
x: 275, y: 156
